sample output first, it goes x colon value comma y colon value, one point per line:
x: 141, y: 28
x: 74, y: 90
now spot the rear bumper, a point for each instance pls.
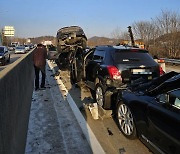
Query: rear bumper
x: 20, y: 52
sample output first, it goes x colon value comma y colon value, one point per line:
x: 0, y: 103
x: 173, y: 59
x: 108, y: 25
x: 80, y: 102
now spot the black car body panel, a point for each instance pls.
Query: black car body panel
x: 157, y: 114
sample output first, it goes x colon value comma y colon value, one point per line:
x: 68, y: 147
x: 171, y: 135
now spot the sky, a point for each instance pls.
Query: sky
x: 34, y: 18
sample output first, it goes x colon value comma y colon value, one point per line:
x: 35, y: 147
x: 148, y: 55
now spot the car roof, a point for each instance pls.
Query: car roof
x: 119, y: 47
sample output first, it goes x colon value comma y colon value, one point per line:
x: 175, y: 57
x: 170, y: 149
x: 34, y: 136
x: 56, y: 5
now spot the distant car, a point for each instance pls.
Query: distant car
x: 11, y: 47
x: 52, y: 52
x: 152, y: 113
x: 31, y: 46
x: 27, y: 47
x: 4, y: 55
x: 20, y: 49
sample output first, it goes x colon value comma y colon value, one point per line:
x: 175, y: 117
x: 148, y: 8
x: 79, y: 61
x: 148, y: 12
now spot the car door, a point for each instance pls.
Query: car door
x: 164, y: 123
x: 94, y: 64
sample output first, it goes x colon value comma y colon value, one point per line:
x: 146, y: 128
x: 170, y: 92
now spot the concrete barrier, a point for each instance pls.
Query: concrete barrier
x: 16, y: 87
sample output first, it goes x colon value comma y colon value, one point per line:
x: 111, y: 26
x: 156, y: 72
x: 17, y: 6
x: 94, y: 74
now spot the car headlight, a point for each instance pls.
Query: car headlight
x: 1, y: 56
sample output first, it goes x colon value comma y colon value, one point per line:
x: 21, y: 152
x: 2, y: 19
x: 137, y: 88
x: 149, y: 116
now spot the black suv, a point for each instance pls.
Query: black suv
x: 105, y: 69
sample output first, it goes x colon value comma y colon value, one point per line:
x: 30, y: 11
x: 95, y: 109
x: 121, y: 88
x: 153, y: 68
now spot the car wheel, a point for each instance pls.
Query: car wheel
x: 125, y: 121
x: 99, y: 92
x: 4, y: 62
x: 8, y: 59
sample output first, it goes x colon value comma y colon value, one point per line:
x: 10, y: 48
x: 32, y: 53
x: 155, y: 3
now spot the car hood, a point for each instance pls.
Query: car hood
x: 167, y: 85
x: 1, y: 54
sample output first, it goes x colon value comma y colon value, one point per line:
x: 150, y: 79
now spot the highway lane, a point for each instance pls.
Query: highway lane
x: 170, y: 67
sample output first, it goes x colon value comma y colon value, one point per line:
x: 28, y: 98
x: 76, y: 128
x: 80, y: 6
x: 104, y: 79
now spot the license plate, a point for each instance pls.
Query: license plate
x: 141, y: 71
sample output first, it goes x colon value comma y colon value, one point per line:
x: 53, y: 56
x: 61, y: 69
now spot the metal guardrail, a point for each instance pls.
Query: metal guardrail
x: 173, y: 61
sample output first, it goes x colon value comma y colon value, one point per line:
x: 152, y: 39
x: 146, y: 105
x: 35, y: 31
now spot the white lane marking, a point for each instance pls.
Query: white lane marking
x: 91, y: 138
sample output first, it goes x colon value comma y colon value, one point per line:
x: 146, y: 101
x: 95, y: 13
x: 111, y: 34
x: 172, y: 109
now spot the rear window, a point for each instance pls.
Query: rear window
x: 20, y: 47
x: 129, y: 57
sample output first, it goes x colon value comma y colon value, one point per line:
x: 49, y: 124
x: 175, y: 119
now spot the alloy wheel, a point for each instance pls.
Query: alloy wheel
x: 99, y: 96
x: 125, y: 119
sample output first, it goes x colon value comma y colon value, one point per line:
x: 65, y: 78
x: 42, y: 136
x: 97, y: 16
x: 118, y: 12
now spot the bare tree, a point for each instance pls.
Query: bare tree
x: 168, y: 23
x: 145, y: 31
x: 120, y: 35
x: 125, y: 36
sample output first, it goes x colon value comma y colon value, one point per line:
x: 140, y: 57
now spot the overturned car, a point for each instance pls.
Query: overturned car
x: 70, y: 40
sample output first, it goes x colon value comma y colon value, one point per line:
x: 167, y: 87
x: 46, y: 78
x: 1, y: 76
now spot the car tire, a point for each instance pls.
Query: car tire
x: 8, y: 59
x: 125, y: 121
x: 4, y: 62
x: 99, y: 94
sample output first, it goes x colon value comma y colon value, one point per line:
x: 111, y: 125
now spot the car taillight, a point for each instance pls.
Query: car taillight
x: 160, y: 61
x: 114, y: 72
x: 161, y: 70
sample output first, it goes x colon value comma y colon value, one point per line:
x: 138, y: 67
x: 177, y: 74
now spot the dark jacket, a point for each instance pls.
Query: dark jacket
x: 39, y: 57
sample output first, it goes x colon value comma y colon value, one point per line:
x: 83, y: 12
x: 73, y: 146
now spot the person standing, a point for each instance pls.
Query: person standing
x: 39, y: 60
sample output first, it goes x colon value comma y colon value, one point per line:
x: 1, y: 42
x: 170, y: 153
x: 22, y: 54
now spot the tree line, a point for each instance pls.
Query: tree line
x: 161, y: 35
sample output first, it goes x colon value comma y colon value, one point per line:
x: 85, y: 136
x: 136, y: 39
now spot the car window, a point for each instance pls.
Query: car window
x: 20, y: 47
x: 163, y: 98
x: 177, y: 102
x: 99, y: 55
x: 129, y: 57
x: 174, y: 97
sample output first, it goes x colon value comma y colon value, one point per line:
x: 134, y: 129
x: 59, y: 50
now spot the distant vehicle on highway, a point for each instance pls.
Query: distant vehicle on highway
x: 15, y: 43
x: 11, y: 47
x: 152, y: 113
x: 52, y: 52
x: 27, y: 47
x: 20, y: 49
x: 4, y: 55
x: 31, y: 46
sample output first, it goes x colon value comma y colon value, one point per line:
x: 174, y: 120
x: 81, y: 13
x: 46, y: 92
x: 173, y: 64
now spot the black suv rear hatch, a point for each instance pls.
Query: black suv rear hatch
x: 134, y: 63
